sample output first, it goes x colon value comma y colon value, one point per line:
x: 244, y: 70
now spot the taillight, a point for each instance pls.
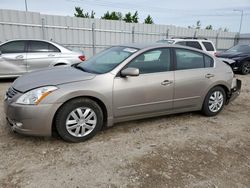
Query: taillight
x: 82, y: 58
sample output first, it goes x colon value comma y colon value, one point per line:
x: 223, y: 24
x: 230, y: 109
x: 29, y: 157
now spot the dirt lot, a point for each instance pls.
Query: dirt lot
x: 185, y: 150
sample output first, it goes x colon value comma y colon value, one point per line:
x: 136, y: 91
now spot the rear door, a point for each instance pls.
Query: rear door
x: 193, y: 75
x: 13, y: 58
x: 41, y: 54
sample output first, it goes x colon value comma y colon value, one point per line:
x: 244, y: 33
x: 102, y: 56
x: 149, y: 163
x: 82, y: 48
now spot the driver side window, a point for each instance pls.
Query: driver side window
x: 152, y: 61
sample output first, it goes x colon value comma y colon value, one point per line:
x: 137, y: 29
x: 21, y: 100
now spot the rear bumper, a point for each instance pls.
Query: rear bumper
x: 235, y: 91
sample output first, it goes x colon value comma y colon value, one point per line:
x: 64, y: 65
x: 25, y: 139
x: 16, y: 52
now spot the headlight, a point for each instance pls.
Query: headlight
x: 34, y: 97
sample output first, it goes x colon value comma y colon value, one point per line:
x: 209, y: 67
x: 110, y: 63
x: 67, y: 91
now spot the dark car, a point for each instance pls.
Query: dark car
x: 241, y: 56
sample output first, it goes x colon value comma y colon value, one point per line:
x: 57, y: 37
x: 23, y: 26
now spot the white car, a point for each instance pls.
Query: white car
x: 20, y: 56
x: 201, y: 44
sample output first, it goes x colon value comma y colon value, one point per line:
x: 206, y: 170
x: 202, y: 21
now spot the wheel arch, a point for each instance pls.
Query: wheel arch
x: 97, y: 100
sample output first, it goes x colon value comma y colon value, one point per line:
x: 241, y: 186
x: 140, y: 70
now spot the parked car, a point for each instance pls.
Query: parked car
x: 20, y: 56
x: 121, y: 83
x: 198, y: 43
x: 240, y: 54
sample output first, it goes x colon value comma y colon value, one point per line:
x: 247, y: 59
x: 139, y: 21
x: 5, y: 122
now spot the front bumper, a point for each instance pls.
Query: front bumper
x: 30, y: 119
x: 235, y: 91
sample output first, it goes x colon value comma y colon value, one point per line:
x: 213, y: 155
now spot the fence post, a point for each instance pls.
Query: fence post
x: 217, y: 40
x: 195, y: 33
x: 133, y: 34
x: 43, y: 28
x: 93, y: 39
x: 236, y: 39
x: 167, y: 33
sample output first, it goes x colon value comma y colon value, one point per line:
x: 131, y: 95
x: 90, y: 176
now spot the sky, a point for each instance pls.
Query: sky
x: 218, y: 13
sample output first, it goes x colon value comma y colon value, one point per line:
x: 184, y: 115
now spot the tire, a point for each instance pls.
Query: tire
x: 245, y: 68
x: 208, y: 109
x: 79, y: 120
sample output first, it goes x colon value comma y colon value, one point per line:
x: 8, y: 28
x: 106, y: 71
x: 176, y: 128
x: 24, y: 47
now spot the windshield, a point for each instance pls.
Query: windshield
x: 107, y: 60
x: 240, y: 48
x: 166, y: 41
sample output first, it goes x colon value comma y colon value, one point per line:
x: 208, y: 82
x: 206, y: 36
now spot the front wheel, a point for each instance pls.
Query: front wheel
x: 79, y: 120
x: 245, y: 68
x: 214, y: 101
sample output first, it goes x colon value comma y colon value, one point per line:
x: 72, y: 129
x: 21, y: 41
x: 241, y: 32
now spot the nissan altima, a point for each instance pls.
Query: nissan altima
x: 121, y: 83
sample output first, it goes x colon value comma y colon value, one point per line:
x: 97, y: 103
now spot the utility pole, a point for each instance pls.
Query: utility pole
x: 241, y: 17
x: 26, y: 6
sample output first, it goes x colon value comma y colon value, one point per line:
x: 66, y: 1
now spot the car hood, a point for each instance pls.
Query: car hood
x: 229, y: 54
x: 50, y: 77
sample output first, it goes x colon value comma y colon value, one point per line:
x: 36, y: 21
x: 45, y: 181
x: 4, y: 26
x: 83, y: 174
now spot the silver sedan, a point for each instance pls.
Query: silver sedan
x: 119, y: 84
x: 20, y: 56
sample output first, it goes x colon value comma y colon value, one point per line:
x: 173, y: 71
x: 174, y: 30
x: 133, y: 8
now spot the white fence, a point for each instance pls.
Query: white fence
x: 93, y: 35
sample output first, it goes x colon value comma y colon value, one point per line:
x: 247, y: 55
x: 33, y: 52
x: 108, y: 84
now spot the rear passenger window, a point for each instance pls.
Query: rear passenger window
x: 40, y: 46
x: 194, y: 44
x: 187, y: 59
x: 208, y: 46
x: 152, y: 61
x: 52, y: 48
x: 209, y: 62
x: 183, y: 43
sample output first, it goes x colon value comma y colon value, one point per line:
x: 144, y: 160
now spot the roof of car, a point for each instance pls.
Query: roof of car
x: 146, y: 45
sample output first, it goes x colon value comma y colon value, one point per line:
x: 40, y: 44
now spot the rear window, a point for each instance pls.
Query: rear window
x: 208, y: 46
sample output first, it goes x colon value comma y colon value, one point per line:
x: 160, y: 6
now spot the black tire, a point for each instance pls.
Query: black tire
x: 67, y: 108
x: 245, y: 68
x: 205, y: 108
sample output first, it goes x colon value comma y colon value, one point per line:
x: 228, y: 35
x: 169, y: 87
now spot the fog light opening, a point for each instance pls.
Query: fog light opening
x: 18, y: 124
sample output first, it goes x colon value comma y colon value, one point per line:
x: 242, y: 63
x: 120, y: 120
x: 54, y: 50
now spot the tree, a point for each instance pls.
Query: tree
x: 148, y: 20
x: 112, y: 16
x: 209, y: 27
x: 135, y: 17
x: 79, y: 13
x: 128, y: 18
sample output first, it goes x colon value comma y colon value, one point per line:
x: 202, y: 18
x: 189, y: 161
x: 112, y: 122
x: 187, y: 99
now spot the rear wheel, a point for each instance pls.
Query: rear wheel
x: 214, y: 101
x: 245, y: 68
x: 79, y: 120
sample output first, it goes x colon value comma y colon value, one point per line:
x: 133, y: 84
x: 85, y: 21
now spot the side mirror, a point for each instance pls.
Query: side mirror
x: 130, y: 72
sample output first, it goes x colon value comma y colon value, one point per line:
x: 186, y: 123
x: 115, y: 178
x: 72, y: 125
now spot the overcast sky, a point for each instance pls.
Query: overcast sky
x: 218, y: 13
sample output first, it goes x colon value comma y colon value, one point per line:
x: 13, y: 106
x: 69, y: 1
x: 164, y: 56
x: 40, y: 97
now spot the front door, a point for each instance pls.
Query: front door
x: 13, y: 58
x: 151, y: 91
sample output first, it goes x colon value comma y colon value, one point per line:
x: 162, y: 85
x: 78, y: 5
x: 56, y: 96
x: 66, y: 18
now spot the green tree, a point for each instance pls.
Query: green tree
x: 79, y: 13
x: 128, y: 18
x: 209, y: 27
x: 148, y: 20
x: 135, y: 17
x: 112, y: 16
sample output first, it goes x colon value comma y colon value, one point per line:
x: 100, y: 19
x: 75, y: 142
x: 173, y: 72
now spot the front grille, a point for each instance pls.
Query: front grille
x: 11, y: 92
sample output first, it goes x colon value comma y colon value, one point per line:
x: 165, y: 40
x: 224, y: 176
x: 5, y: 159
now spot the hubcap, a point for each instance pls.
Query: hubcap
x: 246, y: 68
x: 216, y: 101
x: 81, y: 121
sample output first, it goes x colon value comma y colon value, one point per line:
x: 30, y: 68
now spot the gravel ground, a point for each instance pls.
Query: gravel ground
x: 184, y: 150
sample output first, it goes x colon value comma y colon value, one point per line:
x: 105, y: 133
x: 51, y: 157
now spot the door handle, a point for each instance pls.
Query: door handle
x: 209, y: 75
x: 19, y: 57
x: 166, y: 82
x: 51, y: 55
